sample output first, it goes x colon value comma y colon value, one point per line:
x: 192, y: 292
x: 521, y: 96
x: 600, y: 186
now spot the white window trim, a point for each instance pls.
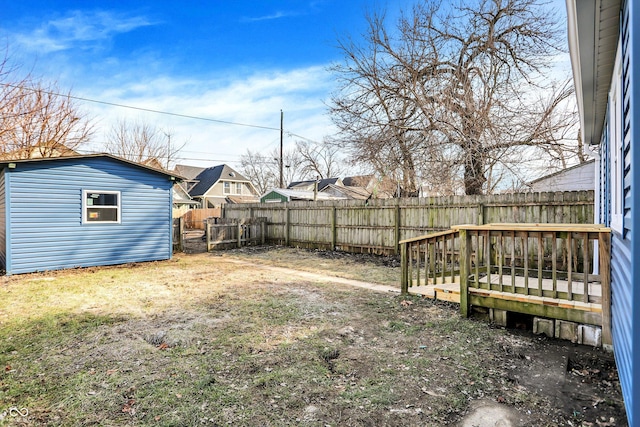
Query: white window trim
x: 84, y: 207
x: 224, y: 187
x: 616, y: 145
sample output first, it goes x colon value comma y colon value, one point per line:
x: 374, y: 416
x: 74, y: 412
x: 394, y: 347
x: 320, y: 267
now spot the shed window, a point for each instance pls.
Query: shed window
x: 100, y: 206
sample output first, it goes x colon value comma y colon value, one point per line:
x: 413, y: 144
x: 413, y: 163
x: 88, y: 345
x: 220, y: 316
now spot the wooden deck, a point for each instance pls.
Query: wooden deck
x: 558, y: 271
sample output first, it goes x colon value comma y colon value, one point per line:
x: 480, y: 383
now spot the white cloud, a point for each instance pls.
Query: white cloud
x: 78, y: 29
x: 254, y: 99
x: 275, y: 15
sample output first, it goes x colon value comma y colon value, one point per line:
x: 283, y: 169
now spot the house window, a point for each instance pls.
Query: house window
x: 238, y: 188
x: 616, y: 141
x: 100, y: 207
x: 227, y: 187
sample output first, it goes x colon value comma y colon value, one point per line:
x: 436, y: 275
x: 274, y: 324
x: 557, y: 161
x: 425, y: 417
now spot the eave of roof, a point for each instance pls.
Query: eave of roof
x: 563, y: 171
x: 6, y: 163
x: 593, y: 31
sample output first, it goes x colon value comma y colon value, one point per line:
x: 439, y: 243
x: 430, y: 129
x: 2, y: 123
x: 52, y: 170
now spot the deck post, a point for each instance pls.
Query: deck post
x: 604, y: 255
x: 465, y: 264
x: 404, y: 269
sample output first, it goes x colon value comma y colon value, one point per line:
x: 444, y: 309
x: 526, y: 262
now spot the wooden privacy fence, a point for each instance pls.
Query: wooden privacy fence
x: 560, y: 271
x: 379, y: 225
x: 225, y: 234
x: 195, y: 218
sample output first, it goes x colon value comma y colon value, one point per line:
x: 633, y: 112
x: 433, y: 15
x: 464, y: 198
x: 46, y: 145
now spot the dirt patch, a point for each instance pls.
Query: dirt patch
x: 234, y: 338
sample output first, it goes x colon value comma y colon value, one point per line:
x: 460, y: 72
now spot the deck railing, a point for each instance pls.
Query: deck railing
x: 559, y: 271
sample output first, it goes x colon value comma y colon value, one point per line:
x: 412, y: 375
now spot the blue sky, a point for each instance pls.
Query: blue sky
x: 235, y: 60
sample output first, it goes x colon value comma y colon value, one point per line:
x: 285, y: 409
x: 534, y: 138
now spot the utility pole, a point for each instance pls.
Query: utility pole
x: 281, y: 142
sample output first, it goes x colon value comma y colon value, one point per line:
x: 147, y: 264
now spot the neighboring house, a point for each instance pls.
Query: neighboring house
x: 242, y: 199
x: 309, y: 185
x: 212, y: 186
x: 347, y: 192
x: 82, y: 211
x: 189, y: 173
x: 575, y: 178
x: 383, y: 188
x: 605, y: 50
x: 182, y: 201
x: 287, y: 195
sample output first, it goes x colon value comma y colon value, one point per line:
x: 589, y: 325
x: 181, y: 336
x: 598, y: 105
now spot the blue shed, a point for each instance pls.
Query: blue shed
x: 82, y: 211
x: 605, y: 50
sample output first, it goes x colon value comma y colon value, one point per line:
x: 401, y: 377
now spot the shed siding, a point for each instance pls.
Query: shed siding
x: 3, y: 224
x: 46, y: 215
x: 625, y: 271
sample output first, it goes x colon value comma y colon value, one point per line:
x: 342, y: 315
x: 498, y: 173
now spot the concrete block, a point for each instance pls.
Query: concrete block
x: 498, y: 317
x: 544, y: 326
x: 590, y: 335
x: 567, y: 330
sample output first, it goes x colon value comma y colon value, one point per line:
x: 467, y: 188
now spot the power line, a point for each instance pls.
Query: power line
x: 149, y: 110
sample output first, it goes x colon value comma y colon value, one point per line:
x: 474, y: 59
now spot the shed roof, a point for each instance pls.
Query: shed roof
x: 8, y: 163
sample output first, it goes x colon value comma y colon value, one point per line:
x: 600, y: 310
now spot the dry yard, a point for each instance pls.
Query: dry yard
x: 223, y: 339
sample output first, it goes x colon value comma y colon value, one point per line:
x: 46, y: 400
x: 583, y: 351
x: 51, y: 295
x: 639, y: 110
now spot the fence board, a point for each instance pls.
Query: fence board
x: 352, y: 226
x: 195, y: 218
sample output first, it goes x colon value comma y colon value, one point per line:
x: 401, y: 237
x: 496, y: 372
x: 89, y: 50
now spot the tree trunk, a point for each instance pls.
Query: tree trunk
x: 474, y: 178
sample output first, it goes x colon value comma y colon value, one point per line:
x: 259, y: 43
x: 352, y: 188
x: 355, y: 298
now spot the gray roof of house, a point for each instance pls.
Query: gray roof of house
x: 302, y: 194
x: 321, y: 183
x: 189, y: 172
x: 209, y: 176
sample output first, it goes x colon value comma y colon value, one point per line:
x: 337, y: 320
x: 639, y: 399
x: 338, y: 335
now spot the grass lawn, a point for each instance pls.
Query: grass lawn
x: 208, y: 339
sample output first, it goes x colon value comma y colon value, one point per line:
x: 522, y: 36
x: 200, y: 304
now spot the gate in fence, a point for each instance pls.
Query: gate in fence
x: 234, y: 233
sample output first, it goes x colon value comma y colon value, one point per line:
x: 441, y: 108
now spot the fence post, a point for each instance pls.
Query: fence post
x: 207, y: 232
x: 465, y: 264
x: 480, y: 214
x: 286, y: 226
x: 333, y: 228
x: 263, y: 231
x: 181, y: 229
x: 604, y: 254
x: 404, y: 270
x: 397, y: 229
x: 239, y: 230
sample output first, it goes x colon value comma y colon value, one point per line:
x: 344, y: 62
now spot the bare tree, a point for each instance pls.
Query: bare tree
x: 264, y: 170
x: 143, y: 143
x: 36, y: 118
x: 260, y: 170
x: 453, y: 86
x: 320, y: 160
